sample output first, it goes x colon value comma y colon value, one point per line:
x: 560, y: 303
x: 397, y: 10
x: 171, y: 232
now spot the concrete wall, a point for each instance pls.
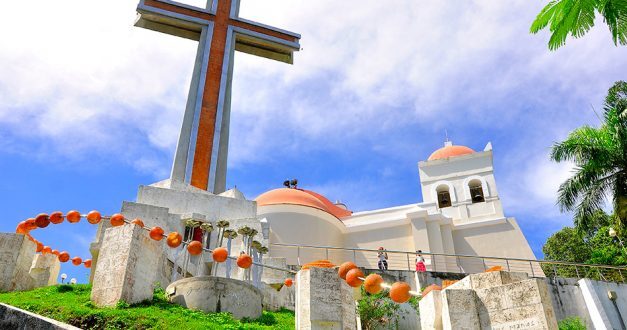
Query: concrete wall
x: 503, y: 239
x: 604, y: 312
x: 568, y: 299
x: 18, y: 319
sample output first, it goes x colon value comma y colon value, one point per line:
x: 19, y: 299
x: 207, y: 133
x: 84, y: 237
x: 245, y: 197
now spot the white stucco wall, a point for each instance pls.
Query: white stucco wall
x: 603, y: 313
x: 503, y: 239
x: 293, y: 224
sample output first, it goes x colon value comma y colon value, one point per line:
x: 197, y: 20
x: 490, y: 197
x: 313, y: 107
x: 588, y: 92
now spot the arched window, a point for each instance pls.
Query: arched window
x: 476, y: 191
x: 444, y: 196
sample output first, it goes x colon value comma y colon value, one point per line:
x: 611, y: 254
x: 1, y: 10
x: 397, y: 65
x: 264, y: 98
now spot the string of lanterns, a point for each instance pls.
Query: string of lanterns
x: 400, y: 292
x: 173, y: 239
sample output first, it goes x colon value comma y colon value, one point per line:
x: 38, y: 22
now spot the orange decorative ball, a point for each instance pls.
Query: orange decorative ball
x: 73, y: 216
x: 138, y: 222
x: 56, y: 217
x: 399, y: 293
x: 353, y: 277
x: 244, y: 261
x: 117, y: 220
x: 87, y: 263
x: 94, y: 217
x: 194, y: 248
x: 21, y: 228
x: 77, y: 261
x: 288, y: 282
x: 42, y: 220
x: 64, y: 256
x: 30, y: 238
x: 156, y: 233
x: 372, y: 284
x: 30, y: 224
x: 55, y: 252
x: 174, y: 239
x: 220, y: 254
x: 40, y: 247
x: 344, y: 268
x: 46, y: 250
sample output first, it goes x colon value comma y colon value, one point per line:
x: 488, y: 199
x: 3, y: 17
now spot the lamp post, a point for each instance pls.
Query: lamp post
x: 63, y: 277
x: 612, y: 232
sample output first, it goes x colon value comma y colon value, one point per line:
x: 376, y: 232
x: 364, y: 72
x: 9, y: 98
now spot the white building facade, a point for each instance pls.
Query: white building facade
x: 460, y: 218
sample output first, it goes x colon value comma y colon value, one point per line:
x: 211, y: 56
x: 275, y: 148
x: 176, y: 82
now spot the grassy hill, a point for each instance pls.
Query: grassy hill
x: 71, y: 304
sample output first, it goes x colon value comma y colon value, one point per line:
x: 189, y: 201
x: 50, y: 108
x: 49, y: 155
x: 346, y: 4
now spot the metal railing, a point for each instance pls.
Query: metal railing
x: 451, y: 263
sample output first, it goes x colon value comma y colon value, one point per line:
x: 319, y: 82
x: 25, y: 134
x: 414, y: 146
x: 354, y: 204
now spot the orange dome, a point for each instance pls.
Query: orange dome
x: 294, y: 196
x: 450, y: 151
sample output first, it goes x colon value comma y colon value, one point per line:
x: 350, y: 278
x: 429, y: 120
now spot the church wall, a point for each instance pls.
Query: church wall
x: 304, y: 226
x: 398, y: 238
x: 498, y: 240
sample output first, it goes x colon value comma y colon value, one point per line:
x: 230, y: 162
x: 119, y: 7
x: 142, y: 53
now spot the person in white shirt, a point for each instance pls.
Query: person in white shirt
x: 383, y: 259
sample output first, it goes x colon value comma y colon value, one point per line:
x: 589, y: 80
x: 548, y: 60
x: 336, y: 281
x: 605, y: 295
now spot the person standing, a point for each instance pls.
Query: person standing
x: 383, y: 259
x: 420, y: 262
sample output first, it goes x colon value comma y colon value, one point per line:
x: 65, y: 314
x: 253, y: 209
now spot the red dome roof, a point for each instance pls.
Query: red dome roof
x: 450, y: 151
x: 301, y: 197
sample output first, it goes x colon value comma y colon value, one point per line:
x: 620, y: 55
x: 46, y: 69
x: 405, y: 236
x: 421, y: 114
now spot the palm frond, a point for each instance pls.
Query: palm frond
x: 564, y: 18
x: 581, y: 145
x: 615, y: 15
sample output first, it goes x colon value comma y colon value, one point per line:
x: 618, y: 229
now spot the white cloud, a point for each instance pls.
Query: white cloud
x: 83, y: 82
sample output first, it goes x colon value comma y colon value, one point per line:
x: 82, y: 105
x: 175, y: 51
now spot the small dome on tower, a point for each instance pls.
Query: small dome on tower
x: 449, y: 150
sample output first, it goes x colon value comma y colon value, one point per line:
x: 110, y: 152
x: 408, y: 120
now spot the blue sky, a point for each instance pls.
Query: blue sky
x: 90, y: 106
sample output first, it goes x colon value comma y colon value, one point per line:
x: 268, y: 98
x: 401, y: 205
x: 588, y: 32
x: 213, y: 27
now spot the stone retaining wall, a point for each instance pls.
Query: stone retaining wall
x: 16, y: 319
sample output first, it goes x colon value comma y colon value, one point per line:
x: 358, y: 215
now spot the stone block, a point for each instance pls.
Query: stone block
x: 528, y: 317
x: 493, y: 279
x: 431, y: 311
x: 128, y: 263
x: 272, y: 276
x: 324, y: 301
x: 16, y: 257
x: 274, y: 299
x: 217, y: 294
x: 459, y: 310
x: 525, y: 305
x: 45, y: 270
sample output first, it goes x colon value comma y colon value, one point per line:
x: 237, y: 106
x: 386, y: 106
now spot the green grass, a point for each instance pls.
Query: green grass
x: 71, y: 304
x: 571, y: 323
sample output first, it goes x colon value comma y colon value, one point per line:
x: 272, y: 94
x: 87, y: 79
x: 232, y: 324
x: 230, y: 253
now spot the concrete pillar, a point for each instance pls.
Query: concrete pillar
x: 45, y: 270
x: 127, y: 267
x: 459, y: 310
x: 324, y: 301
x: 431, y: 311
x: 16, y: 258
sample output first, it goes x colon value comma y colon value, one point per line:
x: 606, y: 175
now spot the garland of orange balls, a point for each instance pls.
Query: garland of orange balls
x: 173, y: 239
x: 400, y: 292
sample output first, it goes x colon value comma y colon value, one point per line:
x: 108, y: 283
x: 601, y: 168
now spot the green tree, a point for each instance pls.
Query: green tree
x: 576, y: 18
x: 378, y: 311
x: 567, y: 245
x: 600, y: 159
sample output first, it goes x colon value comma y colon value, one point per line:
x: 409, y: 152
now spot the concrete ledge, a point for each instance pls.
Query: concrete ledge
x: 18, y: 319
x: 217, y: 294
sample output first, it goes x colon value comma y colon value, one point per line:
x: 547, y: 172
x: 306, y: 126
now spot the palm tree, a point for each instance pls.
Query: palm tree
x: 600, y: 158
x: 576, y: 18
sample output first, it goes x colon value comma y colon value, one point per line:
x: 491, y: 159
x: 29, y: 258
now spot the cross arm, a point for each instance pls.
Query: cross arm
x: 265, y: 41
x: 172, y: 18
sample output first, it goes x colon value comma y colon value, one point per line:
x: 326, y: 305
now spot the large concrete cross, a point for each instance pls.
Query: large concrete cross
x: 201, y: 153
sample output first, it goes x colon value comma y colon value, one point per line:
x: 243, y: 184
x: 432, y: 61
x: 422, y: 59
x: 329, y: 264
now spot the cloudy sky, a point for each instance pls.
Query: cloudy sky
x: 90, y: 106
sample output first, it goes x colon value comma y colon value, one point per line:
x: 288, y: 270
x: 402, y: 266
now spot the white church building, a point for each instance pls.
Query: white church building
x: 461, y: 214
x: 460, y: 220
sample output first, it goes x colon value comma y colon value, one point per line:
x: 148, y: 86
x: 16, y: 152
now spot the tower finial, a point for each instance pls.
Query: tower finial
x: 447, y: 142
